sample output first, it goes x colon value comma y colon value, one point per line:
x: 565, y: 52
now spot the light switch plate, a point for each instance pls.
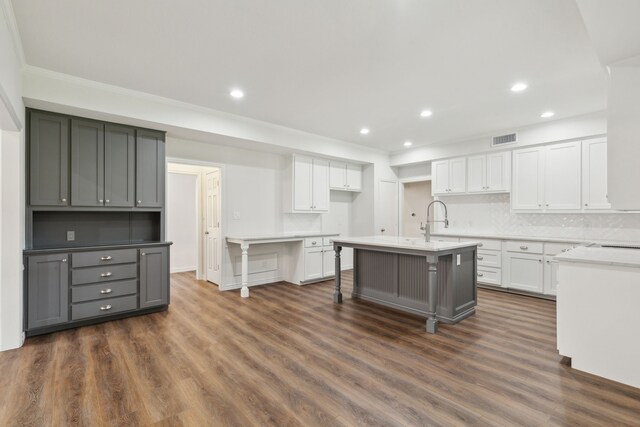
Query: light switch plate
x: 458, y: 259
x: 71, y: 236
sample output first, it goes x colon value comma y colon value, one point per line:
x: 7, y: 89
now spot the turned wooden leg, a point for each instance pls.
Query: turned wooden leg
x: 244, y: 292
x: 337, y: 295
x: 432, y: 279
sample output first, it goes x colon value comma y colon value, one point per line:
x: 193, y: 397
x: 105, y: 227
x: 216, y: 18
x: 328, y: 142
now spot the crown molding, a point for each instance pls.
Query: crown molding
x: 10, y: 18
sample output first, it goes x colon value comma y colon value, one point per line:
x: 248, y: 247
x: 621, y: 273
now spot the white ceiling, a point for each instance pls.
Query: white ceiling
x: 331, y: 67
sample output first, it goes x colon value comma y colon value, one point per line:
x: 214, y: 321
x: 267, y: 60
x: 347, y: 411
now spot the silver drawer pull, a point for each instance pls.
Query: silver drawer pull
x: 105, y: 307
x: 524, y: 248
x: 64, y: 260
x: 480, y: 274
x: 105, y: 274
x: 105, y: 258
x: 106, y: 291
x: 480, y: 258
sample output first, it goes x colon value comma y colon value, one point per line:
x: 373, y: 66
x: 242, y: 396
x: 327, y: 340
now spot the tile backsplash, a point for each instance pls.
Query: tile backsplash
x: 491, y: 214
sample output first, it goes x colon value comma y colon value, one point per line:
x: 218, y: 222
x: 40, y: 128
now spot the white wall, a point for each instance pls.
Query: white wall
x: 418, y: 170
x: 574, y: 128
x: 11, y: 183
x: 182, y: 221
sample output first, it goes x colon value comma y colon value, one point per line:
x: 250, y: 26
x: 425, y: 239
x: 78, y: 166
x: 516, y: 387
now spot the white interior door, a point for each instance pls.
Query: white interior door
x: 213, y: 234
x: 388, y: 205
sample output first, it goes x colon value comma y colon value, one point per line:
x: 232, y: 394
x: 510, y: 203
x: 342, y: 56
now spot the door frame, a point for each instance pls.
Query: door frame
x: 201, y: 271
x: 401, y: 183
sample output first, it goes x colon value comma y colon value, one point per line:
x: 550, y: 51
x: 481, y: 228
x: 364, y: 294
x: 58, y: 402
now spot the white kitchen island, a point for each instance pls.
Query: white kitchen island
x: 432, y: 279
x: 598, y: 319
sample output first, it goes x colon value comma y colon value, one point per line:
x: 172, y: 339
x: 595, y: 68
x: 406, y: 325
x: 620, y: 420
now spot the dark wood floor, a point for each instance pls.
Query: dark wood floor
x: 289, y: 356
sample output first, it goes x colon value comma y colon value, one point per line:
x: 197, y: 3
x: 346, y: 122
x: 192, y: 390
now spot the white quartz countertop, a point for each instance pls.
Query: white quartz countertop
x: 399, y: 242
x: 605, y: 256
x: 234, y: 238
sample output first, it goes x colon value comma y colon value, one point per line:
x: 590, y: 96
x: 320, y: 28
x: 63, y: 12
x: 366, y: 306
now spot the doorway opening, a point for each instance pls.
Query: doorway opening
x: 416, y: 196
x: 194, y: 219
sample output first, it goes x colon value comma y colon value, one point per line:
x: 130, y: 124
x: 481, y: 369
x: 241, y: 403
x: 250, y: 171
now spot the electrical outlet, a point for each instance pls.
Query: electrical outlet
x: 71, y: 236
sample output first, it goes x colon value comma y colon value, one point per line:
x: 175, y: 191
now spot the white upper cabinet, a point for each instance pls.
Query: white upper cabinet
x: 449, y: 176
x: 527, y: 188
x: 489, y: 173
x: 354, y: 177
x: 547, y: 178
x: 563, y: 163
x: 345, y: 176
x: 476, y: 174
x: 594, y: 174
x: 440, y: 177
x: 307, y: 185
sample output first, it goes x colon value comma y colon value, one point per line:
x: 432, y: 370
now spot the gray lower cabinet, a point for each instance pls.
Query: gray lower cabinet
x: 154, y: 276
x: 87, y: 163
x: 47, y: 290
x: 92, y: 285
x: 150, y: 156
x: 48, y: 159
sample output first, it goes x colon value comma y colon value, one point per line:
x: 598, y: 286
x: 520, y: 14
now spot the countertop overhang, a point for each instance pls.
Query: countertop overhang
x: 400, y: 242
x: 619, y: 257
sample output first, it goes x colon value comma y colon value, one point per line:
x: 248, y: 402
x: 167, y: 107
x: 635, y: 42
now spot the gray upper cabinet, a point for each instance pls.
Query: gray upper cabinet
x: 154, y: 276
x: 149, y: 169
x: 87, y: 163
x: 48, y: 159
x: 48, y: 290
x: 119, y: 166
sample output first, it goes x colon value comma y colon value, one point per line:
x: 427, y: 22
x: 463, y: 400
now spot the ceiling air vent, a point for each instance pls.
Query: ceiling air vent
x: 504, y: 139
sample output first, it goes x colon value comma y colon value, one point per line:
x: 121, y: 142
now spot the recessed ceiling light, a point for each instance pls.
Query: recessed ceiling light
x: 364, y: 131
x: 236, y: 93
x: 518, y: 87
x: 408, y: 143
x: 547, y: 114
x: 425, y: 113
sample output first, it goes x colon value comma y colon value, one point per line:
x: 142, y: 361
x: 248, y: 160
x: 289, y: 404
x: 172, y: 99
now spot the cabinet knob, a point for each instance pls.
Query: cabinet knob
x: 143, y: 254
x: 586, y: 204
x: 105, y: 307
x: 107, y: 201
x: 64, y: 260
x: 313, y: 243
x: 139, y: 201
x: 480, y: 274
x: 100, y: 201
x: 539, y: 205
x: 63, y: 200
x: 547, y: 204
x: 382, y: 230
x: 539, y: 260
x: 480, y: 258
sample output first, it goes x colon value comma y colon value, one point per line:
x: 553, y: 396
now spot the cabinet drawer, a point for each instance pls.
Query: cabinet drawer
x: 328, y: 241
x: 106, y: 273
x: 103, y: 290
x: 524, y: 246
x: 106, y: 257
x: 312, y: 242
x: 490, y: 258
x: 103, y: 307
x: 490, y: 276
x: 556, y: 248
x: 490, y: 244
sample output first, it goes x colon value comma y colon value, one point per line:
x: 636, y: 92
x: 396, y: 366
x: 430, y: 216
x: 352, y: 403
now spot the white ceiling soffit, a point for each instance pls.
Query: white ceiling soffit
x: 614, y: 28
x: 331, y: 67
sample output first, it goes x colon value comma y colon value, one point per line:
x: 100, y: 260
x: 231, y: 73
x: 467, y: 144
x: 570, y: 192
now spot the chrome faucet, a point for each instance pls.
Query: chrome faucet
x: 426, y: 228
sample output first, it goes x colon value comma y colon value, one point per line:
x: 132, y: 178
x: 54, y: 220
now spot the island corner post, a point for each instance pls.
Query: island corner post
x: 437, y: 280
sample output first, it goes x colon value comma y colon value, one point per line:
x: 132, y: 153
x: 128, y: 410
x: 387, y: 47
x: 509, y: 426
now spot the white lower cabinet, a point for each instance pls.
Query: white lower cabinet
x: 524, y: 271
x: 328, y: 261
x: 550, y: 276
x: 489, y: 275
x: 313, y: 263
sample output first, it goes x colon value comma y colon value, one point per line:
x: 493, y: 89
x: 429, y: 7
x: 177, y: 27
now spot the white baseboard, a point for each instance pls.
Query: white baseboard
x: 183, y: 269
x: 238, y: 285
